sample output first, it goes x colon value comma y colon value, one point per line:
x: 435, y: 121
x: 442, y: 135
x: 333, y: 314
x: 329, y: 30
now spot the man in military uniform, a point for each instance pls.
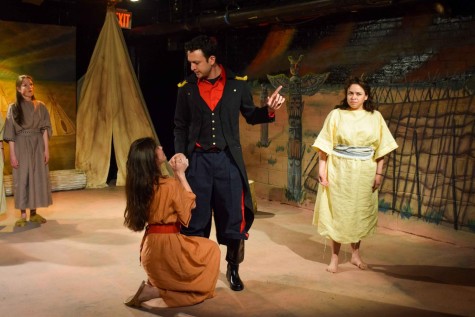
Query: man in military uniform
x: 207, y: 132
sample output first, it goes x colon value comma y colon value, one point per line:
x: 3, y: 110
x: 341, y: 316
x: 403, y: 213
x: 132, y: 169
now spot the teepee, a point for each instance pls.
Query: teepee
x: 61, y: 124
x: 111, y: 108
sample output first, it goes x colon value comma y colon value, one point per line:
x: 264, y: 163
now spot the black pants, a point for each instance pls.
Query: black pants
x: 217, y: 183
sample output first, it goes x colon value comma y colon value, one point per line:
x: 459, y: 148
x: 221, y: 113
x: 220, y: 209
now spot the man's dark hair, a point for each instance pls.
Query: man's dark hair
x: 207, y: 44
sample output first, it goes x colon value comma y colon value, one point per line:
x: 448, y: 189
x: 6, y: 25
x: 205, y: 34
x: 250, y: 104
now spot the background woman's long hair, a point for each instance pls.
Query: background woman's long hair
x: 367, y: 105
x: 140, y: 183
x: 17, y: 111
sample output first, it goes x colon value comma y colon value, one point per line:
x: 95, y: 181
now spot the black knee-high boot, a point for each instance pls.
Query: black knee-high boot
x: 234, y: 256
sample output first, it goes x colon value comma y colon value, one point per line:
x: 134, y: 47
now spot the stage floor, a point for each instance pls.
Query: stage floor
x: 84, y: 262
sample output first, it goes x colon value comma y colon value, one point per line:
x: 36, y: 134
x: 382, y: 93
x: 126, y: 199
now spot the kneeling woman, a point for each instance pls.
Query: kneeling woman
x: 181, y: 270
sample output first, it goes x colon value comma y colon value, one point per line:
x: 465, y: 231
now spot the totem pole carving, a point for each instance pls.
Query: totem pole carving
x: 296, y: 87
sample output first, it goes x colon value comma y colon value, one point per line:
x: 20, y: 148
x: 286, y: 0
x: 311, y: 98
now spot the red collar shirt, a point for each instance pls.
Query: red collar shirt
x: 212, y: 93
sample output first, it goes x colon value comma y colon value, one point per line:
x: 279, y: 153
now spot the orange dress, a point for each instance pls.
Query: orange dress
x: 184, y: 268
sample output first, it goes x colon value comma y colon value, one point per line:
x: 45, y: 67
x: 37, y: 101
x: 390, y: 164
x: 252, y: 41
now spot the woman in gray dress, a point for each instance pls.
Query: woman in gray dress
x: 27, y: 131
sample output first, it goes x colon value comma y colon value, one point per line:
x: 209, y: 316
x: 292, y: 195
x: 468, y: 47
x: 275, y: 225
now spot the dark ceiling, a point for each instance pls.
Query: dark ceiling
x: 199, y: 14
x: 154, y: 18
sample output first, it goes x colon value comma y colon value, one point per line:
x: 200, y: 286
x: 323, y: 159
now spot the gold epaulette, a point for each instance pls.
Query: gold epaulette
x: 183, y: 83
x: 241, y: 78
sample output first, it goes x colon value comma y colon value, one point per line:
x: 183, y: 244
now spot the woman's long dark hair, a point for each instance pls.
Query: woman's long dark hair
x: 367, y: 105
x: 16, y: 110
x: 143, y: 173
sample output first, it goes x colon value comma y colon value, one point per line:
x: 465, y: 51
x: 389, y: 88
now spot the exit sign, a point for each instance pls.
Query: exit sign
x: 125, y: 18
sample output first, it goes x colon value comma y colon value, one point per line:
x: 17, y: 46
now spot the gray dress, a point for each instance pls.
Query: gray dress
x: 31, y: 185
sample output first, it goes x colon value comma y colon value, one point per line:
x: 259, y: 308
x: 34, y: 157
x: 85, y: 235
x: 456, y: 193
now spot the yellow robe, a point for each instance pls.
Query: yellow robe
x: 347, y: 209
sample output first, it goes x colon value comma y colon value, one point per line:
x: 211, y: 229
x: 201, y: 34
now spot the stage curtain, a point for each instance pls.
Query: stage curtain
x: 111, y: 108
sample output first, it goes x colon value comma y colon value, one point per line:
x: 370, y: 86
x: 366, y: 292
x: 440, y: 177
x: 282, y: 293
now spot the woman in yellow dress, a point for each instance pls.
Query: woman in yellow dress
x: 351, y: 147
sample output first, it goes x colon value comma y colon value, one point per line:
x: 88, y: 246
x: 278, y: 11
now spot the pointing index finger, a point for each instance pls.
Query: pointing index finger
x: 276, y: 92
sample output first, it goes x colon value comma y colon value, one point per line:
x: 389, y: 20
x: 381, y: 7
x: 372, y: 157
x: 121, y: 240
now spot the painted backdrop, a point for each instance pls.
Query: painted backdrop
x: 48, y: 54
x: 422, y: 71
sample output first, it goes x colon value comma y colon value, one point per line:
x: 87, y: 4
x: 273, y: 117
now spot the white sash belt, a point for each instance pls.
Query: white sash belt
x: 354, y: 152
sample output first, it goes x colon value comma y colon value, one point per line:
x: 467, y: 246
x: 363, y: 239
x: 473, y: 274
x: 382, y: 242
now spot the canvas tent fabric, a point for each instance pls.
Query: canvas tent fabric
x: 111, y: 108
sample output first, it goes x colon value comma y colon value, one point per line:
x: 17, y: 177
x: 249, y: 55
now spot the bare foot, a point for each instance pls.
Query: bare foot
x: 149, y: 292
x: 155, y: 303
x: 356, y: 260
x: 144, y: 293
x: 333, y: 266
